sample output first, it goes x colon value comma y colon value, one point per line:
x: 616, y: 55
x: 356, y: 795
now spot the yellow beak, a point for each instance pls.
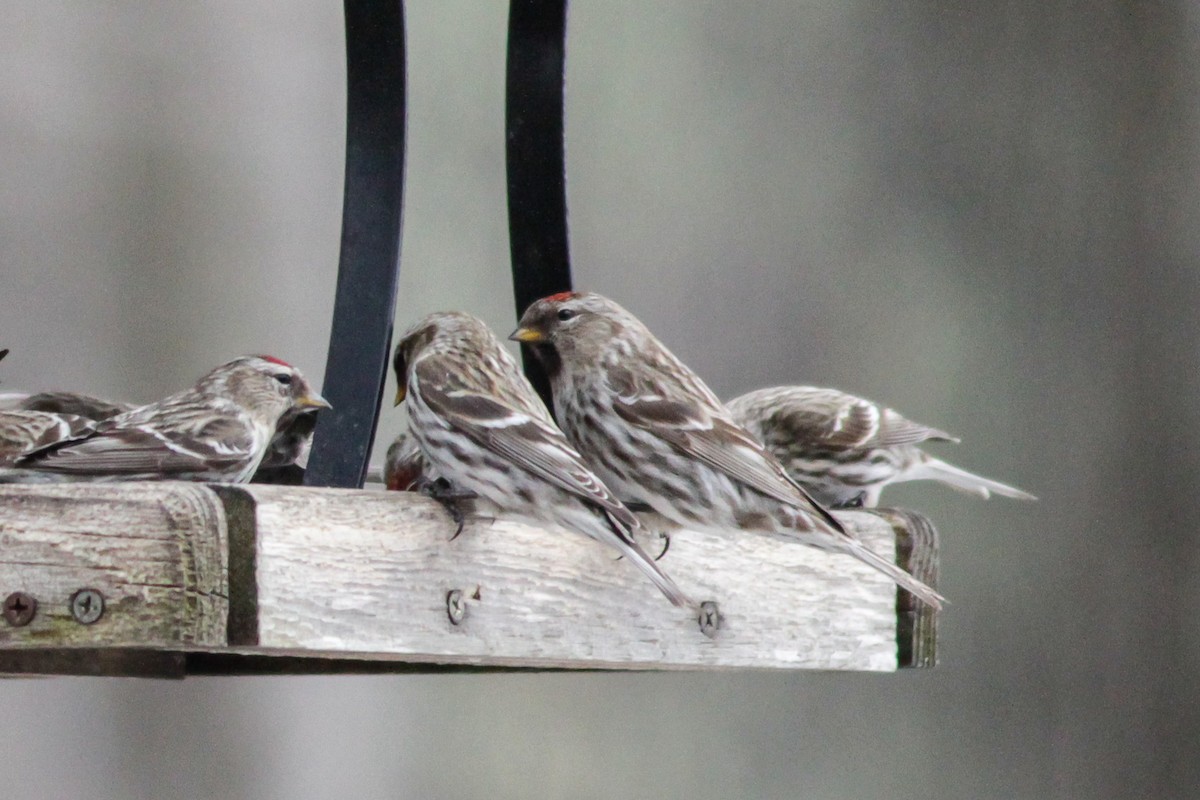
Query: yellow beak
x: 400, y: 394
x: 313, y: 400
x: 527, y: 335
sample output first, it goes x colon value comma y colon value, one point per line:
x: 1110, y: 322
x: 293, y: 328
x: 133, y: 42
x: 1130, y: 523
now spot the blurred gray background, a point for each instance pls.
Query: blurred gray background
x: 983, y: 214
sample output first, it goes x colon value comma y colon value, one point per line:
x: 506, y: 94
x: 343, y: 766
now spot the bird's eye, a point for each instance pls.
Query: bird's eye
x: 565, y: 314
x: 284, y: 378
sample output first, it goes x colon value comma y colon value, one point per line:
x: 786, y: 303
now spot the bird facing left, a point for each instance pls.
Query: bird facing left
x: 217, y: 431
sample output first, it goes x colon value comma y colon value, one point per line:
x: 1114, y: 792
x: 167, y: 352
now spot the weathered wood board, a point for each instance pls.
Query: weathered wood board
x: 155, y: 554
x: 277, y: 577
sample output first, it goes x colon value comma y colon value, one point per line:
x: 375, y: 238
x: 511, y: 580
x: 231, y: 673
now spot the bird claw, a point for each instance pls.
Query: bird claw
x: 449, y: 498
x: 666, y: 537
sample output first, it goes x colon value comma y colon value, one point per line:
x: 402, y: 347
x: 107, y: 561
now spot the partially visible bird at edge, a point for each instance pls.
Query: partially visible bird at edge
x: 844, y: 449
x: 219, y: 430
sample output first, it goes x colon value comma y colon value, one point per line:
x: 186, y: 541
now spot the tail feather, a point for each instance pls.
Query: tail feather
x: 935, y: 469
x: 899, y: 577
x: 660, y: 579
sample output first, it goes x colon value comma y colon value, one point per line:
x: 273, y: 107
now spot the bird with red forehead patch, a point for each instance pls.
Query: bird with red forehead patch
x: 482, y: 428
x: 656, y: 434
x: 289, y: 446
x: 218, y: 430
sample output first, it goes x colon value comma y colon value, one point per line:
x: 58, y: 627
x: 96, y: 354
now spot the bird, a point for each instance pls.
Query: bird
x: 284, y: 462
x: 845, y: 449
x: 82, y: 405
x: 286, y: 459
x: 217, y: 431
x: 405, y: 468
x: 656, y: 434
x: 482, y: 428
x: 25, y: 432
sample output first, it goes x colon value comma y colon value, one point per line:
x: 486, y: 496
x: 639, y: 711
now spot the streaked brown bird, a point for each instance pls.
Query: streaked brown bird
x: 218, y: 430
x: 656, y: 434
x: 405, y: 468
x: 284, y: 462
x: 844, y: 449
x: 25, y: 432
x: 482, y: 428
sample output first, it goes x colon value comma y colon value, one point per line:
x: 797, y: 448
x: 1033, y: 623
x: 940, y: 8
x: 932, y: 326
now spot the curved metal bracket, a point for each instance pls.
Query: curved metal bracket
x: 537, y: 190
x: 369, y: 266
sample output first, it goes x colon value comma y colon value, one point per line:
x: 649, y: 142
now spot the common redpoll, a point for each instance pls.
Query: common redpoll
x: 482, y: 428
x: 405, y: 467
x: 284, y: 462
x: 218, y: 430
x: 845, y: 449
x: 25, y: 432
x: 81, y: 405
x: 656, y: 434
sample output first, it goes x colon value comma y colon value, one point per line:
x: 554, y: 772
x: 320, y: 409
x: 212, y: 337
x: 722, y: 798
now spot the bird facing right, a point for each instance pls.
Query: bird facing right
x: 658, y: 435
x: 481, y: 427
x: 219, y: 430
x: 845, y: 449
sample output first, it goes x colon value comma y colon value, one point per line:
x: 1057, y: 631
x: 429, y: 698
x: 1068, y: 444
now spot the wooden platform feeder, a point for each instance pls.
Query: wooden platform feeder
x: 173, y: 579
x: 170, y: 579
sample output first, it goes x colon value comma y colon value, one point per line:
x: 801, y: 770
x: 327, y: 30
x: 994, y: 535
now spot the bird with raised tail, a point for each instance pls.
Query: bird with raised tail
x: 656, y: 434
x: 844, y: 449
x: 480, y: 425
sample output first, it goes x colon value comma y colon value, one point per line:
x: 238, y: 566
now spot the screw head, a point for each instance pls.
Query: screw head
x: 710, y: 618
x: 19, y: 609
x: 87, y: 606
x: 456, y: 606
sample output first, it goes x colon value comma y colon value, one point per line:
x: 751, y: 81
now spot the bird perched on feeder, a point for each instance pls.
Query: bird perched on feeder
x: 844, y: 449
x: 656, y: 434
x: 284, y: 462
x: 405, y: 468
x: 81, y: 405
x: 25, y: 432
x: 481, y: 426
x: 219, y: 430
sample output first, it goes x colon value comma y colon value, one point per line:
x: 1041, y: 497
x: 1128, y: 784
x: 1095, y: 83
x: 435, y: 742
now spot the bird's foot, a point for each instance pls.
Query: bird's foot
x: 449, y: 498
x: 665, y: 538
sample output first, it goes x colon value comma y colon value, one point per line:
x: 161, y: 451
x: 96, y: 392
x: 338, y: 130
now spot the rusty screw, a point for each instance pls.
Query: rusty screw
x: 87, y: 606
x: 19, y: 609
x: 710, y: 619
x: 456, y: 606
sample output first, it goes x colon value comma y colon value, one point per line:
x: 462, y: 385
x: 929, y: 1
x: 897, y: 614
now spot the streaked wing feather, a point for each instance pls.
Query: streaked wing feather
x: 527, y: 441
x: 26, y: 432
x: 720, y: 444
x: 897, y: 430
x: 833, y: 420
x: 141, y: 450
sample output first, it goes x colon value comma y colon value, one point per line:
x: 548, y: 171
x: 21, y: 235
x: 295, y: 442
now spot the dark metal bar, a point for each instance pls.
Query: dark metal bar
x: 369, y: 267
x: 537, y: 190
